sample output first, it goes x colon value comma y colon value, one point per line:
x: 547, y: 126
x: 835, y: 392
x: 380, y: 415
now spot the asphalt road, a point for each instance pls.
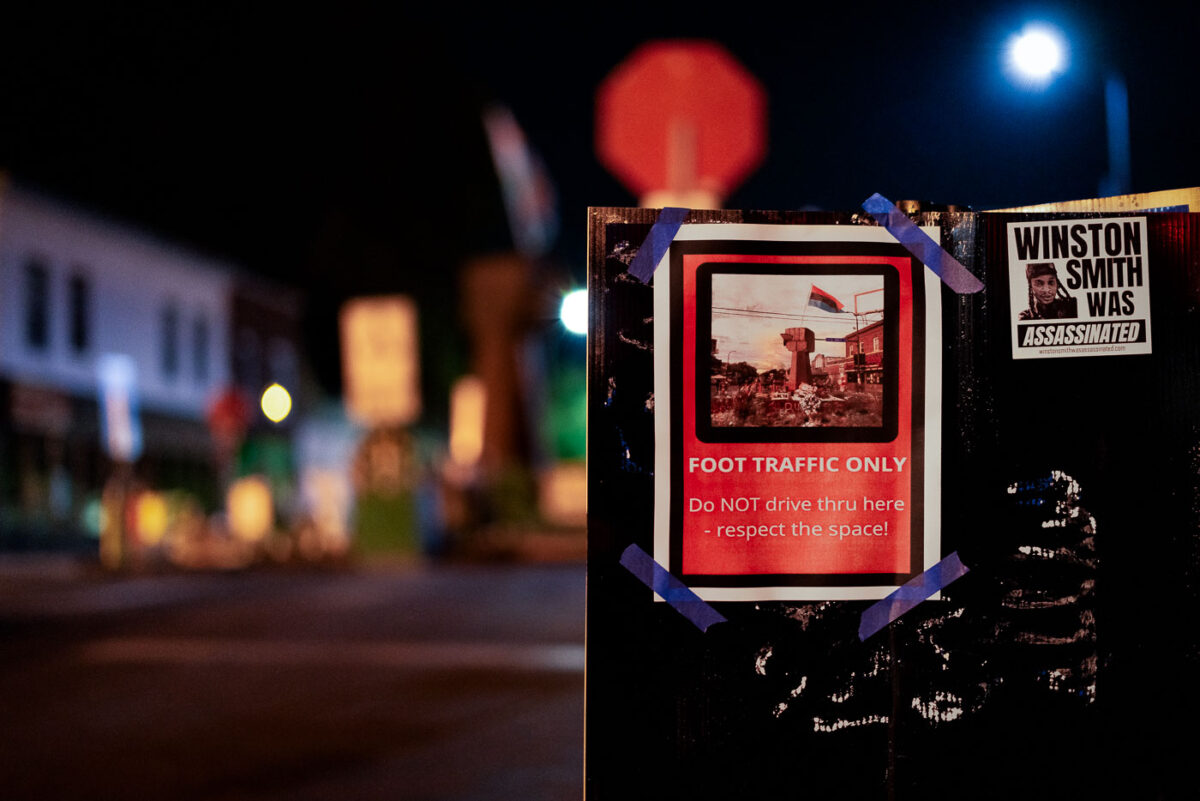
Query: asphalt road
x: 461, y: 682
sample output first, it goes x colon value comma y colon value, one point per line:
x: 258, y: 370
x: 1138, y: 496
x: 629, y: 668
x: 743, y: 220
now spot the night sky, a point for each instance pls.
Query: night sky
x: 341, y: 150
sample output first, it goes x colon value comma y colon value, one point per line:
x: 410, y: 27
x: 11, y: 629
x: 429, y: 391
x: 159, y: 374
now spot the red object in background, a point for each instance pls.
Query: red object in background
x: 228, y: 418
x: 680, y: 116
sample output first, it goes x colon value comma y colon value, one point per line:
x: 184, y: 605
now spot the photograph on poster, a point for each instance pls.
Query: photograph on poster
x: 786, y: 353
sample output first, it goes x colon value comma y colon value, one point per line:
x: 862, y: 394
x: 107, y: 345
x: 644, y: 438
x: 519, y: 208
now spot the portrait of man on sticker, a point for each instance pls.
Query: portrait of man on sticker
x: 1048, y: 298
x: 1079, y: 287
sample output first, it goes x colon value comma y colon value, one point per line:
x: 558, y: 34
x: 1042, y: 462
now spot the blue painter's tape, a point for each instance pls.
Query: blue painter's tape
x: 914, y: 592
x: 645, y: 262
x: 671, y: 589
x: 918, y: 243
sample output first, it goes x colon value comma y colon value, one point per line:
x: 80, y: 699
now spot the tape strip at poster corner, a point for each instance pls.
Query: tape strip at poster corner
x: 921, y: 245
x: 797, y: 412
x: 1079, y: 287
x: 669, y: 588
x: 879, y: 615
x: 666, y: 225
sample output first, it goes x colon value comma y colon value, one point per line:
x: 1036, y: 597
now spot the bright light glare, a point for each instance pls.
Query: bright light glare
x: 574, y: 312
x: 1037, y: 54
x: 276, y: 403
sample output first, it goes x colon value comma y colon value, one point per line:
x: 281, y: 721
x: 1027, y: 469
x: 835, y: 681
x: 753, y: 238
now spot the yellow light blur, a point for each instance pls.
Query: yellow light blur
x: 276, y: 403
x: 562, y: 494
x: 467, y: 403
x: 248, y: 505
x: 151, y: 517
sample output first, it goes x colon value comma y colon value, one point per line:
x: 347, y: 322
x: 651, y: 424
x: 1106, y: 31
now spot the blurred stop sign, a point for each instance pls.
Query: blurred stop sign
x: 680, y: 117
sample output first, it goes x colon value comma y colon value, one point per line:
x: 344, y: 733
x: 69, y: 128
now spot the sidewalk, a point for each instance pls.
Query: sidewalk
x: 44, y: 566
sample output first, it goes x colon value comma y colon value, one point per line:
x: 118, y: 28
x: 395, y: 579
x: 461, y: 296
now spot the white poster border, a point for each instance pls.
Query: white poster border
x: 662, y: 393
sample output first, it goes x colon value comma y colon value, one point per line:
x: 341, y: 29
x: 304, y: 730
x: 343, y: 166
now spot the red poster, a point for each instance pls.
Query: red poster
x: 795, y: 457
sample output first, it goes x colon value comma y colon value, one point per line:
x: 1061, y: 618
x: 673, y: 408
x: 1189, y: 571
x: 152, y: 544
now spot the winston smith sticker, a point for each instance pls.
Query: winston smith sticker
x: 1079, y: 288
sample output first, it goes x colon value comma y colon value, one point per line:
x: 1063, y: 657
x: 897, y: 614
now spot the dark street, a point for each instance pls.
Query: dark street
x: 845, y: 356
x: 396, y: 682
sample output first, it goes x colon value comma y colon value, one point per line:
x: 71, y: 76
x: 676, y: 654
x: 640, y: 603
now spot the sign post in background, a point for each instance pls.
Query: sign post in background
x: 681, y: 124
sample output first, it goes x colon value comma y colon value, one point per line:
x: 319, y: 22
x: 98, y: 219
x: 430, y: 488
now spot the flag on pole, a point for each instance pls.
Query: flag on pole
x: 529, y: 196
x: 824, y: 301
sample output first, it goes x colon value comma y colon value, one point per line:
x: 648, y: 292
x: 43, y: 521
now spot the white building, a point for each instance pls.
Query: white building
x: 74, y: 287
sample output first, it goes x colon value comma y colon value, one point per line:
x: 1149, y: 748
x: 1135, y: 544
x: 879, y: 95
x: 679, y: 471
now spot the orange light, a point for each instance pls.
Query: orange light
x: 562, y: 494
x: 468, y: 400
x: 379, y: 360
x: 151, y: 515
x: 251, y: 516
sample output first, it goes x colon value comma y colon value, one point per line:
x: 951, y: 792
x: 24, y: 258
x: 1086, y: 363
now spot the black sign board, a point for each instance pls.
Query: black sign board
x: 1057, y: 660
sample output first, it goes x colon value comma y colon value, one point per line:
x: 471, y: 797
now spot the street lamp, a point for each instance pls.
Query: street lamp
x: 1036, y: 55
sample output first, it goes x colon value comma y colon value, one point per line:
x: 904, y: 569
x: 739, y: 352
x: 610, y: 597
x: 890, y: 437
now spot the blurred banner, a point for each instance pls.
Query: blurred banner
x: 529, y: 197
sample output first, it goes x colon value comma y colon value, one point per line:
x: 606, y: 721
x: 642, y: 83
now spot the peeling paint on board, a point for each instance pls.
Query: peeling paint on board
x: 942, y: 708
x: 760, y: 661
x: 625, y: 456
x: 637, y: 343
x: 960, y: 681
x: 1054, y: 612
x: 823, y: 725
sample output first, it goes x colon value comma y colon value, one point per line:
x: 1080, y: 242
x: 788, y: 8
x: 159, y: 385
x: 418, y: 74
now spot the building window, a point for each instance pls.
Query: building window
x: 283, y: 365
x: 200, y: 349
x: 37, y: 304
x: 170, y: 341
x: 80, y: 299
x: 248, y: 362
x: 874, y: 344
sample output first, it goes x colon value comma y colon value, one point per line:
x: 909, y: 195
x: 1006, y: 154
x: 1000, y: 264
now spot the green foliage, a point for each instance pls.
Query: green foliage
x: 387, y: 524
